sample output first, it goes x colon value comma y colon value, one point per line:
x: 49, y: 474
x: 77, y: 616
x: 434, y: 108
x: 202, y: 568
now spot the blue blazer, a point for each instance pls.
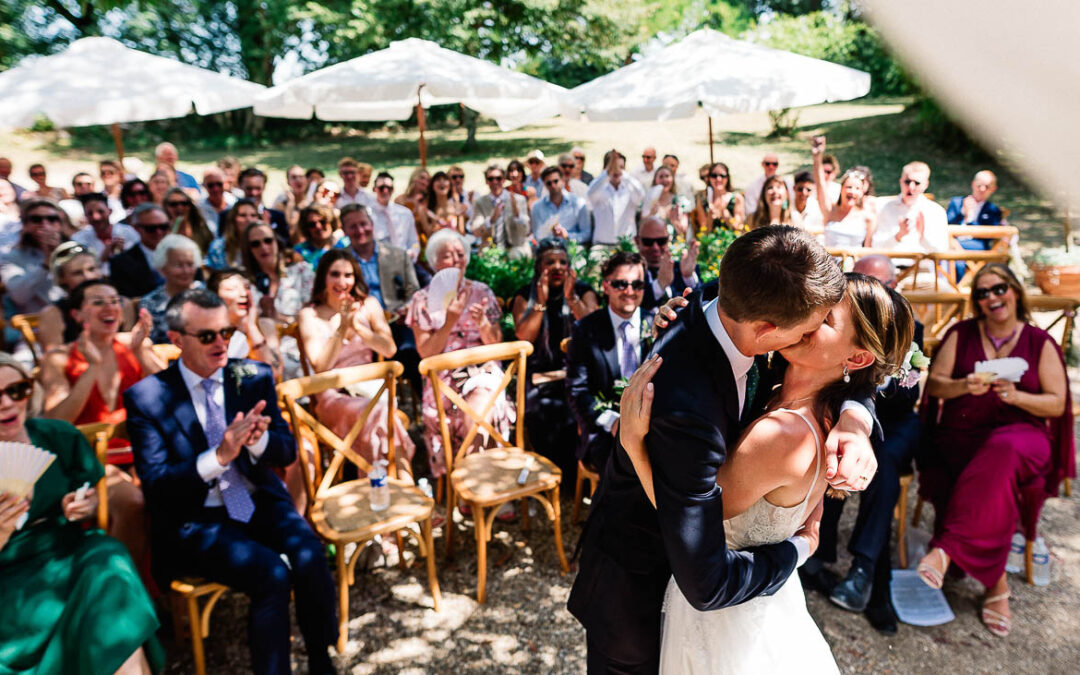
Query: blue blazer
x: 990, y: 214
x: 166, y: 438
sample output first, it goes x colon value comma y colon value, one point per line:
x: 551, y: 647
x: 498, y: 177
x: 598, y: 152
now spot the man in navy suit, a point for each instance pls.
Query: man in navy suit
x: 976, y: 209
x: 130, y: 270
x: 606, y: 346
x: 777, y: 285
x: 664, y: 278
x: 207, y: 435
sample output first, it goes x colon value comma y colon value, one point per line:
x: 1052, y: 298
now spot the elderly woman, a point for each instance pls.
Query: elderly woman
x: 849, y: 222
x: 773, y: 205
x: 996, y: 439
x: 227, y: 249
x: 470, y: 320
x: 318, y: 225
x: 70, y: 265
x: 73, y: 602
x: 281, y: 289
x: 544, y: 311
x: 187, y: 219
x: 718, y: 206
x: 255, y: 338
x: 177, y: 258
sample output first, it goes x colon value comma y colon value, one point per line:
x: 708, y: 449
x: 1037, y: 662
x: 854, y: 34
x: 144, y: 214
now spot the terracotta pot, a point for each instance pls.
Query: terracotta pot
x: 1060, y: 280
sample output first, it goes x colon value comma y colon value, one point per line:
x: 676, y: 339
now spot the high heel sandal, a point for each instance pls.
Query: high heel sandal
x: 932, y: 576
x: 996, y: 622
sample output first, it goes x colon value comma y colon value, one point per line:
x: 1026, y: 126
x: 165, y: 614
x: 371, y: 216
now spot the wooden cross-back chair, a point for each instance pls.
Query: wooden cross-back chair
x: 293, y: 330
x: 489, y: 478
x: 339, y: 509
x: 98, y: 436
x: 938, y: 309
x: 944, y: 262
x: 166, y: 352
x: 28, y: 325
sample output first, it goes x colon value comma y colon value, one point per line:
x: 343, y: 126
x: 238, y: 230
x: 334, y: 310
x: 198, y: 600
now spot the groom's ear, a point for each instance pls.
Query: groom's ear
x: 860, y: 359
x: 762, y: 329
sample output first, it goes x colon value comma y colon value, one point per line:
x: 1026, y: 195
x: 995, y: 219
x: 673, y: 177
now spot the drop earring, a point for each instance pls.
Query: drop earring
x: 847, y: 375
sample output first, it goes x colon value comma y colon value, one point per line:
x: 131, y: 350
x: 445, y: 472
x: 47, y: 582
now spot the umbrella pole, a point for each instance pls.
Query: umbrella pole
x: 118, y: 140
x: 423, y: 144
x: 711, y: 160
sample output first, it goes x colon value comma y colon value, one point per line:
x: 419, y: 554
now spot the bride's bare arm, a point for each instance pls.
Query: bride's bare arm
x: 635, y: 408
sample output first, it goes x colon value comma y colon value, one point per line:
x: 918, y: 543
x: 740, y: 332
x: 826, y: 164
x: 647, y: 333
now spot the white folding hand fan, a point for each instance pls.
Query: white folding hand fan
x: 20, y: 467
x: 441, y: 292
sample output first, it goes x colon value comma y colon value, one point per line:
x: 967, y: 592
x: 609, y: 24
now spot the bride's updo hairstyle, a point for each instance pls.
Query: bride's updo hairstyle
x: 885, y: 327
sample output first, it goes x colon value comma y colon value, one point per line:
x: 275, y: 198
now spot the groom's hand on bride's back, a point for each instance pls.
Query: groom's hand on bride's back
x: 850, y: 463
x: 811, y: 527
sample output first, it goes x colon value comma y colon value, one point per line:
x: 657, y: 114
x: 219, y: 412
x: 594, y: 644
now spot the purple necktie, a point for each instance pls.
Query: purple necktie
x: 629, y: 352
x: 233, y: 491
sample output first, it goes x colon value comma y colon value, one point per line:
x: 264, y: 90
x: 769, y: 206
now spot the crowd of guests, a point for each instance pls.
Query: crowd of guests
x: 119, y: 265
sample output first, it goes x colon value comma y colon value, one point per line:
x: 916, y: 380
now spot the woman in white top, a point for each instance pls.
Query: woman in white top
x: 848, y: 223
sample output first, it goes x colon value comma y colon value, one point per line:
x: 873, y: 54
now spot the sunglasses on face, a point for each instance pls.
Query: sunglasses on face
x: 457, y: 176
x: 911, y: 181
x: 650, y: 241
x: 213, y: 185
x: 207, y: 337
x: 18, y: 391
x: 623, y: 284
x: 39, y: 219
x: 770, y: 163
x: 580, y: 158
x: 552, y: 183
x: 568, y: 166
x: 347, y: 173
x: 648, y: 156
x: 37, y: 174
x: 807, y: 190
x: 997, y: 290
x: 494, y: 178
x: 178, y: 205
x: 384, y: 188
x: 257, y: 243
x: 718, y: 175
x: 153, y: 228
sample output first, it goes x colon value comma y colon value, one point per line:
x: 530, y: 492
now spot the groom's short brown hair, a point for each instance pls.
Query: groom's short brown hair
x: 778, y: 274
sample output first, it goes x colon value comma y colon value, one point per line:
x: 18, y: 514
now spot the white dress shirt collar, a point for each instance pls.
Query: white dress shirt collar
x: 740, y: 363
x: 617, y: 322
x: 191, y: 380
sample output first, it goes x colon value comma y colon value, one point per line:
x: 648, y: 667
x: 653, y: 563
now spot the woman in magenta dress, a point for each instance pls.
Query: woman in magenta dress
x: 345, y: 327
x: 471, y: 319
x: 994, y: 441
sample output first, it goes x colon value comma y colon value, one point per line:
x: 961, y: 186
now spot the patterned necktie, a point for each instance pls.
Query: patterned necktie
x: 498, y: 234
x: 233, y: 491
x: 629, y: 351
x: 752, y: 377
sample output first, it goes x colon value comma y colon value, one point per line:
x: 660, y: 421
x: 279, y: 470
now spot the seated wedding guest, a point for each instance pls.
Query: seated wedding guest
x: 132, y: 193
x: 394, y: 224
x: 461, y: 195
x: 665, y: 278
x: 9, y: 215
x: 535, y: 162
x: 84, y: 383
x: 318, y: 224
x: 42, y: 190
x: 560, y: 213
x: 415, y: 198
x: 718, y: 206
x: 773, y: 209
x: 605, y: 347
x: 24, y: 270
x: 866, y: 586
x: 5, y: 174
x: 315, y: 177
x: 515, y: 176
x: 187, y: 219
x: 443, y: 211
x: 910, y: 221
x: 995, y: 442
x: 230, y: 168
x: 366, y: 171
x: 167, y: 155
x: 351, y: 192
x: 103, y: 237
x: 770, y: 165
x: 73, y: 601
x: 281, y: 288
x: 501, y: 218
x: 647, y: 170
x: 470, y: 319
x: 70, y: 264
x: 177, y: 259
x: 111, y: 173
x: 293, y: 199
x: 227, y: 249
x: 218, y: 200
x: 578, y: 153
x: 571, y: 183
x: 345, y: 326
x: 160, y: 181
x: 849, y: 223
x: 976, y: 209
x: 255, y: 338
x: 662, y: 201
x: 804, y: 206
x: 544, y: 312
x: 253, y: 183
x: 615, y: 197
x: 130, y: 271
x: 208, y: 434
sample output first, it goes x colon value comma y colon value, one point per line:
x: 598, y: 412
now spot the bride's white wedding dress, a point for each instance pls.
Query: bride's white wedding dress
x: 769, y: 634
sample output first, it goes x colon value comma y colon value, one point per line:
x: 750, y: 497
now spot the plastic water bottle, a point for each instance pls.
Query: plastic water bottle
x: 1040, y: 574
x: 425, y: 487
x: 1015, y: 562
x: 380, y: 490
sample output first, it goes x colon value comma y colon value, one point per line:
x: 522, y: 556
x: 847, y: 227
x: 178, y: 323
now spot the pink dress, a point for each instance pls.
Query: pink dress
x: 476, y: 384
x: 339, y: 410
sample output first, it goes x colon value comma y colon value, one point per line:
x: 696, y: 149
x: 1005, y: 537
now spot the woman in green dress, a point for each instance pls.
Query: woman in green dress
x: 72, y: 600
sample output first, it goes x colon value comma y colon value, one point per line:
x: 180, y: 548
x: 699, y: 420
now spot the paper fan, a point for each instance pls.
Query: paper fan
x: 20, y: 467
x: 1010, y: 368
x: 441, y: 292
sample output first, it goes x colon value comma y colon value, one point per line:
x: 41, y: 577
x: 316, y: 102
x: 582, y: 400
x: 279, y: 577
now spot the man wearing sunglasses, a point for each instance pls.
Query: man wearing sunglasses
x: 770, y: 165
x: 351, y: 192
x: 559, y: 212
x: 130, y: 272
x: 218, y: 200
x: 665, y: 278
x: 605, y: 347
x: 910, y: 221
x: 502, y: 216
x: 571, y: 184
x: 24, y: 269
x: 207, y: 436
x: 394, y: 224
x: 644, y: 173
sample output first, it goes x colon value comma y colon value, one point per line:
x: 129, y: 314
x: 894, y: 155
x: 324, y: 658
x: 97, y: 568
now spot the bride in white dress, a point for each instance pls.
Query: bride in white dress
x: 773, y: 480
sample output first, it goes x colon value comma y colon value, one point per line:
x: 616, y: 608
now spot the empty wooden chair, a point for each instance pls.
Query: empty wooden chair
x: 27, y: 325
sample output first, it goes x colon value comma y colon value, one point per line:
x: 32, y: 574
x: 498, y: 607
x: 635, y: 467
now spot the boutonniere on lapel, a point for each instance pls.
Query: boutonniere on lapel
x: 241, y: 372
x: 604, y: 403
x: 646, y: 331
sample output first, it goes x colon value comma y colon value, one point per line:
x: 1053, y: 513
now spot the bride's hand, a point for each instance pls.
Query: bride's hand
x: 635, y: 406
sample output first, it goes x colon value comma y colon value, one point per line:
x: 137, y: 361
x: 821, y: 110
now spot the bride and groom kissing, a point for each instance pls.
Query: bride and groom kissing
x: 713, y: 497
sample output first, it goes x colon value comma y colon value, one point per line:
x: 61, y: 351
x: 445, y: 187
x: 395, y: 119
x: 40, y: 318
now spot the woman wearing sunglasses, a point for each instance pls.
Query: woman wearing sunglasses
x: 471, y: 319
x: 319, y: 231
x: 718, y: 206
x: 281, y: 289
x: 996, y: 443
x: 187, y: 219
x: 72, y: 599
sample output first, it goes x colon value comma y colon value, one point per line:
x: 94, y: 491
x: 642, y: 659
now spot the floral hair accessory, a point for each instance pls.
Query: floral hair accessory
x: 908, y: 374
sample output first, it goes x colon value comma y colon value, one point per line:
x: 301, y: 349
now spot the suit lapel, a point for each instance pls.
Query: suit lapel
x: 607, y: 344
x: 232, y: 393
x: 184, y: 409
x: 716, y: 359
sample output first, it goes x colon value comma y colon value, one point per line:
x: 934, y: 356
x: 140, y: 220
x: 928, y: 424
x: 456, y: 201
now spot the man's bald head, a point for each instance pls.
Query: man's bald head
x: 165, y: 153
x: 770, y: 163
x: 878, y: 266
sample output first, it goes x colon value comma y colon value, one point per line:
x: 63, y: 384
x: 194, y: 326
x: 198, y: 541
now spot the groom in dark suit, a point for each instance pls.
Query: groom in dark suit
x: 207, y: 435
x: 776, y: 286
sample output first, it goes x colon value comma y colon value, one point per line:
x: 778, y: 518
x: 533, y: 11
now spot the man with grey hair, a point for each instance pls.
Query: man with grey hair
x: 573, y: 185
x: 165, y: 153
x: 130, y: 271
x: 501, y: 216
x: 218, y: 199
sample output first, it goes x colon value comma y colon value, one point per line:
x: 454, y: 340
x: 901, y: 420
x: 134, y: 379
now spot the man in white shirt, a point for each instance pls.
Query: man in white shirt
x: 568, y: 166
x: 644, y: 173
x: 615, y: 198
x: 102, y: 236
x: 770, y: 164
x: 910, y: 221
x: 501, y: 216
x: 535, y: 163
x: 218, y: 199
x: 351, y: 192
x: 560, y: 213
x: 394, y: 224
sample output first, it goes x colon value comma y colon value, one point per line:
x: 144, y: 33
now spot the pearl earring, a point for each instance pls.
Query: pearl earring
x: 847, y: 375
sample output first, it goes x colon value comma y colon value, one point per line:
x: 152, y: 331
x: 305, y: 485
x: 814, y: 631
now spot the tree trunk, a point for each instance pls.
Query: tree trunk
x: 470, y: 117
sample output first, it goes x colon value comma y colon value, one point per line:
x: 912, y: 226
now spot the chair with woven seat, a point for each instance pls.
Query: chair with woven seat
x: 487, y: 479
x: 28, y: 325
x: 339, y: 509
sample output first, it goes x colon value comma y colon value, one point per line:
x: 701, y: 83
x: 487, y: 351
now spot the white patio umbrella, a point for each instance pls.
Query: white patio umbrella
x: 721, y: 74
x: 100, y: 81
x: 414, y: 74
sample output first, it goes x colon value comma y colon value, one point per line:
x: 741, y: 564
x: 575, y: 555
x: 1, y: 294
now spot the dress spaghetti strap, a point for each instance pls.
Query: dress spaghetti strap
x: 817, y: 456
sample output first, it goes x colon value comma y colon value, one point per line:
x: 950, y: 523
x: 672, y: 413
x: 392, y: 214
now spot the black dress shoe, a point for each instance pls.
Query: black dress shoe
x: 853, y: 593
x: 815, y: 577
x: 882, y: 618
